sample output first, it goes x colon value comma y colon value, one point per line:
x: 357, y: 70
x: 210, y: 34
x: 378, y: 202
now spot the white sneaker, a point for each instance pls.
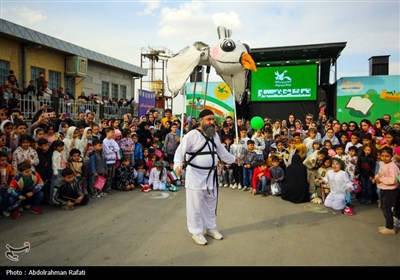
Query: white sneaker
x: 239, y: 186
x: 220, y: 185
x: 226, y: 186
x: 234, y: 186
x: 396, y: 222
x: 214, y: 233
x: 244, y: 189
x: 199, y: 239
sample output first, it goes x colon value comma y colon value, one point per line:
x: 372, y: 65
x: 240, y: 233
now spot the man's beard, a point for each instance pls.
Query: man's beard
x: 208, y: 130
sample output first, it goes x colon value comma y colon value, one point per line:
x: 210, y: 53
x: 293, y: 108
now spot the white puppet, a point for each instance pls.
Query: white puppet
x: 230, y: 58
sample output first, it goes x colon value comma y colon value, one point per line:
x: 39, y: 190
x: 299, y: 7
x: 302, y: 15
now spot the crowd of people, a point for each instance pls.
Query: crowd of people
x: 320, y: 159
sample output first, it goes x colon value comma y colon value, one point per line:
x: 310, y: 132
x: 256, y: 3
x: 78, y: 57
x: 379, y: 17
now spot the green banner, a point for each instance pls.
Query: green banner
x: 284, y: 83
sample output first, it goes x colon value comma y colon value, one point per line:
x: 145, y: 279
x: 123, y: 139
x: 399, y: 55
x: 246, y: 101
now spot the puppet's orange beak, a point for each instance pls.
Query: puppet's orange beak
x: 247, y: 61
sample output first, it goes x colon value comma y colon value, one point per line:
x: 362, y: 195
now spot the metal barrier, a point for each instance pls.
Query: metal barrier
x: 30, y: 105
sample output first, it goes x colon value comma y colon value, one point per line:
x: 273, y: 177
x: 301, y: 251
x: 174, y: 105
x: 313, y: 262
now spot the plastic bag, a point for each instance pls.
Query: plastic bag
x: 100, y: 182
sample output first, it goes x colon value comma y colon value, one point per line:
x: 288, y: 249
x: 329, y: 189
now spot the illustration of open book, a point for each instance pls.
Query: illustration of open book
x: 360, y: 104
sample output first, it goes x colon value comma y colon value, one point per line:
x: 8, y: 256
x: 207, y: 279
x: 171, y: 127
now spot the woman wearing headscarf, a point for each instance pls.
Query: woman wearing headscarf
x: 295, y: 187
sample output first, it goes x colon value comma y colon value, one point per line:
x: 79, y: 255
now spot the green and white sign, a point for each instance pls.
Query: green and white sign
x: 284, y: 83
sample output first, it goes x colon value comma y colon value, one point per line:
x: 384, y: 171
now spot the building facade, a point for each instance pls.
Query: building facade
x: 28, y: 52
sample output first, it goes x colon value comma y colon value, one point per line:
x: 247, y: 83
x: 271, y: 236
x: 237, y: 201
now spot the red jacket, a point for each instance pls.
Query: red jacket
x: 256, y: 180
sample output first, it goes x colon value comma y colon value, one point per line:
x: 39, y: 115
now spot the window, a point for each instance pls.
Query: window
x: 69, y: 83
x: 35, y: 72
x: 105, y: 89
x: 4, y: 70
x: 54, y: 79
x: 122, y: 90
x: 114, y: 91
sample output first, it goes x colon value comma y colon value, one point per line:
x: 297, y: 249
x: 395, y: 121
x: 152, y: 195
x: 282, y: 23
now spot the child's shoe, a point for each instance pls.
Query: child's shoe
x: 15, y: 214
x: 348, y: 211
x: 36, y: 210
x: 67, y: 208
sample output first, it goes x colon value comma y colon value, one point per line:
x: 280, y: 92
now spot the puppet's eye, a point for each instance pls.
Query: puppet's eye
x: 228, y: 45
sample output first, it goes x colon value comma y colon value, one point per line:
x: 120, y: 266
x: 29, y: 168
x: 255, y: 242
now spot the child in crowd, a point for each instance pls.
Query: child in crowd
x: 96, y: 131
x: 138, y: 150
x: 340, y: 184
x: 76, y: 164
x: 308, y: 142
x: 24, y: 153
x: 98, y: 167
x: 111, y: 154
x: 259, y: 144
x: 365, y: 168
x: 323, y: 187
x: 354, y: 141
x: 299, y: 145
x: 15, y: 137
x: 158, y: 177
x: 156, y: 151
x: 290, y: 151
x: 126, y: 175
x: 86, y: 142
x: 142, y: 172
x: 272, y: 153
x: 351, y: 161
x: 72, y: 140
x: 7, y: 174
x: 237, y: 150
x: 328, y: 146
x: 70, y: 194
x: 261, y: 177
x: 339, y: 150
x: 45, y: 168
x: 127, y: 145
x: 3, y: 147
x: 315, y: 147
x: 249, y: 159
x: 277, y: 175
x: 63, y: 130
x: 313, y: 162
x: 171, y: 142
x: 26, y: 190
x: 387, y: 180
x: 59, y: 162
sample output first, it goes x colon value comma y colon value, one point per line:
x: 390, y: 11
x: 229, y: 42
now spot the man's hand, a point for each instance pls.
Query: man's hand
x: 79, y: 199
x: 29, y: 194
x: 178, y: 171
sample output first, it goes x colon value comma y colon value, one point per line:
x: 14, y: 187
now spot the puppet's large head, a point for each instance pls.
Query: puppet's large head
x: 230, y: 58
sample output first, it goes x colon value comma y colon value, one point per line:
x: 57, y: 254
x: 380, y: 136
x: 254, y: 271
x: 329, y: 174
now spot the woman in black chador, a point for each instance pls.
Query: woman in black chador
x: 295, y: 187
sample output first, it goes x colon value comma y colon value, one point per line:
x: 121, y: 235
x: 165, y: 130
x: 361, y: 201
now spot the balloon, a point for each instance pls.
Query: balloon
x: 257, y: 123
x: 188, y: 119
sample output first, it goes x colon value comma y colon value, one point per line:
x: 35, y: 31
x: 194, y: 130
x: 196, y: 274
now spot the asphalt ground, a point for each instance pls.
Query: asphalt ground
x: 149, y: 229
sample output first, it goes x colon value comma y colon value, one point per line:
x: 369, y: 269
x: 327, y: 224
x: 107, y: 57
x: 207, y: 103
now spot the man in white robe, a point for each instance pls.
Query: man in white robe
x: 199, y: 149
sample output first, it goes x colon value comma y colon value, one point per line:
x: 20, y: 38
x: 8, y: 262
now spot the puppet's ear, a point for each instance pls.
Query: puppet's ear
x: 223, y: 32
x: 180, y: 66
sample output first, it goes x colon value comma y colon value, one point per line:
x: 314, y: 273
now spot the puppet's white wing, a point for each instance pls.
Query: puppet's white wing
x: 239, y: 79
x: 180, y: 66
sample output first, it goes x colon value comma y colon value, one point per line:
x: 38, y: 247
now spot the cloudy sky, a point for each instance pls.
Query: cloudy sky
x: 121, y: 29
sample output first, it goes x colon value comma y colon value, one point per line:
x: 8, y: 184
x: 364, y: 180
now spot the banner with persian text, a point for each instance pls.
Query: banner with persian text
x: 147, y: 101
